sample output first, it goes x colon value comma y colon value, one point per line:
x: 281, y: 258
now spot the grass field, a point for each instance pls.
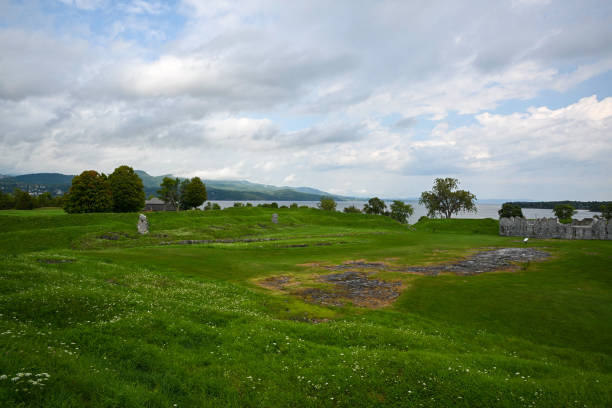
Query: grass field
x: 92, y: 314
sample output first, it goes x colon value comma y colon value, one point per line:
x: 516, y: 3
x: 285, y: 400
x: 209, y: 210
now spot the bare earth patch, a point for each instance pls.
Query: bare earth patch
x: 351, y: 281
x: 354, y: 287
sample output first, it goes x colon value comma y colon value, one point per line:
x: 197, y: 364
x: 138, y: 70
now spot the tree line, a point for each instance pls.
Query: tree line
x: 593, y: 206
x: 123, y: 191
x: 443, y: 200
x: 562, y: 211
x: 22, y: 200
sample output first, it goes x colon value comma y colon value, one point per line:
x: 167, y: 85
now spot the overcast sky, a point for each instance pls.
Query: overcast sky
x: 513, y: 97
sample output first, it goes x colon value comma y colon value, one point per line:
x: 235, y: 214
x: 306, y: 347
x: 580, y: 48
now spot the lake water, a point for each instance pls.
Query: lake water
x: 484, y: 210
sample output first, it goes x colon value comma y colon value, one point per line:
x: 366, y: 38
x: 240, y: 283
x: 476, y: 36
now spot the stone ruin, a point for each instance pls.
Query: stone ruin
x: 552, y: 228
x: 143, y: 224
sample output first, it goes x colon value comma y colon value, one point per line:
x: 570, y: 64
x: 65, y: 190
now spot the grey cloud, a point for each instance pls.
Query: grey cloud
x: 34, y: 64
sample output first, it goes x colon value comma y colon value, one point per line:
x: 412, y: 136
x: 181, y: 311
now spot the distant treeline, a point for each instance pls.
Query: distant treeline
x: 22, y: 200
x: 594, y: 206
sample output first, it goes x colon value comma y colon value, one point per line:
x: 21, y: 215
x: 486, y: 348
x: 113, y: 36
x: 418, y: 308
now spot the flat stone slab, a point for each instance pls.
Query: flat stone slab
x: 485, y: 261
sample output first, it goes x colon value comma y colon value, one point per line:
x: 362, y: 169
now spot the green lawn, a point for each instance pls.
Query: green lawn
x: 91, y: 314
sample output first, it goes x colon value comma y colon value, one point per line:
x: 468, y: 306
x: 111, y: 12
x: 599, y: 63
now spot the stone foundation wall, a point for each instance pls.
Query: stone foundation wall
x: 552, y: 228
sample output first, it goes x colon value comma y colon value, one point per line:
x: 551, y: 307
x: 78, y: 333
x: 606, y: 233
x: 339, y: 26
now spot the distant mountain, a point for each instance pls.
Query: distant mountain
x: 56, y: 183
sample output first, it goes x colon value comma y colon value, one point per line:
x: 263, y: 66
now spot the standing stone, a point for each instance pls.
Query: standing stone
x: 275, y: 218
x: 143, y: 224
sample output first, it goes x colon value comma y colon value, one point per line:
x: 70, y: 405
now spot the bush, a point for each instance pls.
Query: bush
x: 352, y: 210
x: 375, y: 206
x: 293, y: 205
x: 238, y: 204
x: 327, y: 204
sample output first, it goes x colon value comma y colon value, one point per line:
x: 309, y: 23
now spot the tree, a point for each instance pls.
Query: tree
x: 606, y: 211
x: 169, y: 192
x: 6, y: 201
x: 23, y: 200
x: 564, y: 212
x: 327, y: 203
x: 445, y: 199
x: 509, y: 210
x: 44, y: 200
x: 89, y: 192
x: 401, y: 211
x: 193, y: 193
x: 375, y: 206
x: 127, y: 189
x: 352, y: 209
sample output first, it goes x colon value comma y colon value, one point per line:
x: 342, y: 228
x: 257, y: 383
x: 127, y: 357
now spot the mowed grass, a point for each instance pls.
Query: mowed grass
x: 136, y: 321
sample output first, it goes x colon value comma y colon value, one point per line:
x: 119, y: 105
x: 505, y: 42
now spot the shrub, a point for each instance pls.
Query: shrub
x: 375, y: 206
x: 352, y: 209
x: 327, y: 204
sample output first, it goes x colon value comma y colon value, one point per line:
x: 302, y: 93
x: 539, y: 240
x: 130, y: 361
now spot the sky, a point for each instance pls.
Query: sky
x: 361, y: 98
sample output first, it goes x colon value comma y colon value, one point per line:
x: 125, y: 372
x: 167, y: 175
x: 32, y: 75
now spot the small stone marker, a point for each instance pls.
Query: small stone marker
x: 274, y: 218
x: 143, y: 224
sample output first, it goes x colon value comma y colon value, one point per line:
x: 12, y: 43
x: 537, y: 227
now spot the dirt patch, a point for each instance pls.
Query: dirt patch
x: 278, y: 282
x: 352, y: 281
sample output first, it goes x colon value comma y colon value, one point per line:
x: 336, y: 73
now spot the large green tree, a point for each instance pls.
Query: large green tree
x: 23, y: 200
x: 375, y: 206
x: 89, y: 192
x: 444, y: 199
x: 193, y: 193
x: 7, y: 201
x: 127, y: 190
x: 170, y: 192
x: 510, y: 210
x: 401, y: 211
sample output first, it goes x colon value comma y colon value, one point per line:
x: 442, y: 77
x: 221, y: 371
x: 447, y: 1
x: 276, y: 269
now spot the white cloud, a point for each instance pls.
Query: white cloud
x: 272, y: 93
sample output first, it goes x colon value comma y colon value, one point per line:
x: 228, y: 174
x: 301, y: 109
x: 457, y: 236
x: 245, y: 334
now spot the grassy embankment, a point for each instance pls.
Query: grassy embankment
x: 125, y: 321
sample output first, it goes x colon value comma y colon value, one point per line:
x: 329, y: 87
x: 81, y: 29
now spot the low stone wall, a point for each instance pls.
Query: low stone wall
x: 552, y: 228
